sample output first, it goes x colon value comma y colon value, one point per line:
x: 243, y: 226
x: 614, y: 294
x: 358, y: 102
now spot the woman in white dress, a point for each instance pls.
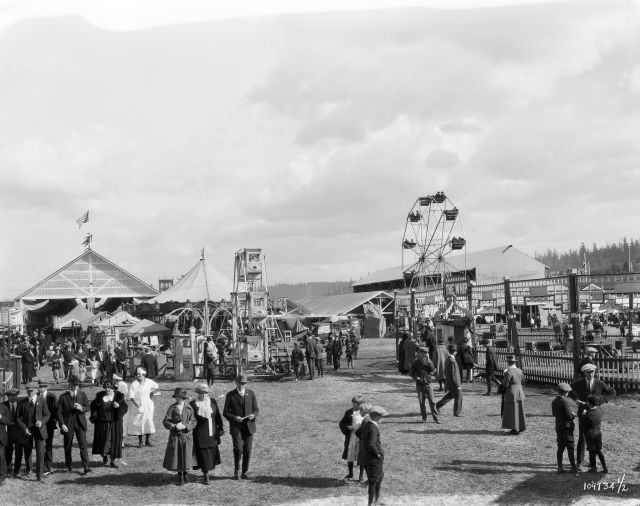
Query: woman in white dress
x: 141, y: 407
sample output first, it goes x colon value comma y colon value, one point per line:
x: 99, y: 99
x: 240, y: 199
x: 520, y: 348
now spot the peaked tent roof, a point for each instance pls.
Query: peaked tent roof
x: 147, y: 328
x: 89, y: 275
x: 76, y: 315
x: 339, y: 304
x: 202, y: 282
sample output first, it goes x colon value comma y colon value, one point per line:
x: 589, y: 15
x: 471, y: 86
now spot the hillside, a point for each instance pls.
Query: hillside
x: 310, y: 289
x: 608, y: 259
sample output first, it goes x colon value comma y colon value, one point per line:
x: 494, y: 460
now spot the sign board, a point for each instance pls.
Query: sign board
x: 186, y: 361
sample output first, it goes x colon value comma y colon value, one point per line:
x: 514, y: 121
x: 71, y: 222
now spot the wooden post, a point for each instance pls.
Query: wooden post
x: 512, y: 328
x: 412, y: 319
x: 574, y: 307
x: 630, y: 320
x: 395, y: 321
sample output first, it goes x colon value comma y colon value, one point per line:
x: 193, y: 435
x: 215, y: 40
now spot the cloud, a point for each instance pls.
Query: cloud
x: 312, y: 135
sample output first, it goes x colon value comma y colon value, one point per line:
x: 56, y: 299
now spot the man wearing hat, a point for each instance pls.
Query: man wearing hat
x: 452, y: 382
x: 581, y: 389
x: 421, y: 371
x: 15, y: 437
x: 561, y: 411
x: 372, y: 453
x: 589, y: 358
x: 491, y: 366
x: 72, y: 406
x: 52, y: 403
x: 5, y: 418
x: 241, y: 409
x: 32, y: 417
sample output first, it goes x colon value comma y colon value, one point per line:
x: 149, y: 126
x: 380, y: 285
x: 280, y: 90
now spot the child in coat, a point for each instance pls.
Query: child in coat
x: 591, y: 422
x: 373, y: 454
x: 349, y: 423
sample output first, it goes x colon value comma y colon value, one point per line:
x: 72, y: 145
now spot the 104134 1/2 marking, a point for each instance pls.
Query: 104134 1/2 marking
x: 606, y: 486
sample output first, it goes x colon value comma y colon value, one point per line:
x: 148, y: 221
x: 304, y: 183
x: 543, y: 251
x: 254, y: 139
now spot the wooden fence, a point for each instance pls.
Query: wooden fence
x: 622, y: 373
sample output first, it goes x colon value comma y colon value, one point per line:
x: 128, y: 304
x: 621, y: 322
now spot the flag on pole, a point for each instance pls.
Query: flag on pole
x: 83, y: 219
x: 87, y: 241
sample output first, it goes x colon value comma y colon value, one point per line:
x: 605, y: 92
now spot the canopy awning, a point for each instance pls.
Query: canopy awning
x: 148, y: 328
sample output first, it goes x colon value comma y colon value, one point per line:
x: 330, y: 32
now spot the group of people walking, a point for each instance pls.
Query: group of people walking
x: 31, y: 422
x: 313, y: 354
x: 195, y: 429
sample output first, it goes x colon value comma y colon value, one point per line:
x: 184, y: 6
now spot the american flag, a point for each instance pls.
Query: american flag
x: 83, y: 219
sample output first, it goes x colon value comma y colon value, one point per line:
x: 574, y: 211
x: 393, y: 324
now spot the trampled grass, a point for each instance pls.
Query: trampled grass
x: 297, y: 450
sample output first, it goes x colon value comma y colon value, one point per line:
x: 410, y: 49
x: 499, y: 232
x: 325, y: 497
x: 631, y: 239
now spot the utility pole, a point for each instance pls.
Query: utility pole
x: 412, y: 320
x: 512, y: 329
x: 574, y: 307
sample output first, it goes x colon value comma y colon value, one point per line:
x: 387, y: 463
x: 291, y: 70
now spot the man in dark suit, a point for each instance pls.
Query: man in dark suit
x: 421, y: 371
x: 4, y: 440
x: 241, y: 409
x: 310, y: 354
x: 372, y: 453
x: 491, y: 366
x: 15, y: 437
x: 150, y: 363
x: 581, y: 389
x: 32, y: 417
x: 72, y: 406
x: 452, y: 382
x: 52, y: 402
x: 121, y: 360
x: 109, y: 363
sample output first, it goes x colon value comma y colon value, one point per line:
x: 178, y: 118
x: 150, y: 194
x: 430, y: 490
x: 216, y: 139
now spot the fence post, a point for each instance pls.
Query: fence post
x: 630, y: 320
x: 512, y: 329
x: 574, y: 305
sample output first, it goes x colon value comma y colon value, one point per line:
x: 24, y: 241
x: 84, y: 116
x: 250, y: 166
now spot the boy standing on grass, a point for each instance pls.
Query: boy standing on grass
x: 564, y: 426
x: 592, y: 419
x: 373, y: 455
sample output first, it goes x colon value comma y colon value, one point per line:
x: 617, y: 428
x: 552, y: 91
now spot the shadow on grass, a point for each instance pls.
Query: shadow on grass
x: 124, y: 479
x: 550, y: 488
x: 503, y: 464
x: 449, y: 431
x: 300, y: 481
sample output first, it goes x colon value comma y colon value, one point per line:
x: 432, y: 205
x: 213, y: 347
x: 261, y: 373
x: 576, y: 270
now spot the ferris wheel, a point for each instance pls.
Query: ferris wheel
x: 432, y: 233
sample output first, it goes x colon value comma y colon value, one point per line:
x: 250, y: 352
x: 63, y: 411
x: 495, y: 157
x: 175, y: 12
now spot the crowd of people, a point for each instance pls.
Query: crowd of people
x: 448, y: 365
x: 313, y: 354
x: 196, y: 425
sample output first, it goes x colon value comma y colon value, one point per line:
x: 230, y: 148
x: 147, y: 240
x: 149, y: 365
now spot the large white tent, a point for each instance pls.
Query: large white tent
x: 202, y: 282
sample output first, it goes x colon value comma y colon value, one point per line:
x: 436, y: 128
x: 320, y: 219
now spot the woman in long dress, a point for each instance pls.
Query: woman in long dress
x: 513, y: 398
x: 180, y: 421
x: 207, y: 433
x: 107, y: 412
x: 141, y: 407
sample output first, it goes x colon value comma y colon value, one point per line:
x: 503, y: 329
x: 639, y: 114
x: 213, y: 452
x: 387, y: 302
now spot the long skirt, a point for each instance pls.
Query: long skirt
x: 178, y: 456
x: 107, y: 439
x: 513, y: 416
x: 206, y: 458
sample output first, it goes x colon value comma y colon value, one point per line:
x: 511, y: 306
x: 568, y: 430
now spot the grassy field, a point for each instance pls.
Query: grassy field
x: 297, y: 449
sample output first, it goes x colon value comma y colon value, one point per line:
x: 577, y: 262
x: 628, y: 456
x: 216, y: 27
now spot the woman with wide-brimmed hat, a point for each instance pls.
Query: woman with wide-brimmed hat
x: 180, y: 421
x: 107, y: 412
x: 207, y: 433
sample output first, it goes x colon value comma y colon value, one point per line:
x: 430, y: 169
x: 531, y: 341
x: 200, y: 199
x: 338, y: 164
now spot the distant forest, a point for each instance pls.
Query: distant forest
x: 310, y: 289
x: 608, y: 259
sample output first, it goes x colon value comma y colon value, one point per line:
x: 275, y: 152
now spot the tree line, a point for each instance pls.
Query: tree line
x: 608, y: 259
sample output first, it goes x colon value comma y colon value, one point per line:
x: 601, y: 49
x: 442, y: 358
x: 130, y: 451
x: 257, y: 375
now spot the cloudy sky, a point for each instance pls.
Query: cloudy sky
x: 310, y: 134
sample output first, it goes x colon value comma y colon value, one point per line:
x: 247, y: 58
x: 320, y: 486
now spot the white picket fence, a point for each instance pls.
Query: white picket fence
x: 622, y: 373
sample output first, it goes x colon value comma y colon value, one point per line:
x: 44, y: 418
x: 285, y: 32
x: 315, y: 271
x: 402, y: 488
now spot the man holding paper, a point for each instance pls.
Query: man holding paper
x: 241, y: 409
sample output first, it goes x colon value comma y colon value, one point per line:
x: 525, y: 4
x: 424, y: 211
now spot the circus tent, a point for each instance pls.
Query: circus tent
x: 202, y: 282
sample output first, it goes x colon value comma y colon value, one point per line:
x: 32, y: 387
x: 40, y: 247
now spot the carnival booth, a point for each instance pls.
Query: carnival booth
x: 452, y: 321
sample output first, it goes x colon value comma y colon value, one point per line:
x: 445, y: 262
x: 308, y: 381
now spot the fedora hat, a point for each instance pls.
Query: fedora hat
x: 201, y: 388
x: 242, y: 378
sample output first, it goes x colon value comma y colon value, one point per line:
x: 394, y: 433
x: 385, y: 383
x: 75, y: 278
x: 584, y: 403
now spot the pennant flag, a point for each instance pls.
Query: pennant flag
x: 83, y: 219
x: 87, y: 240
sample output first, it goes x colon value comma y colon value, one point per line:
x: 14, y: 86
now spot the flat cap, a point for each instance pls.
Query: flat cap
x: 563, y: 387
x: 591, y: 350
x: 423, y: 349
x: 32, y: 385
x: 378, y: 410
x: 588, y: 367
